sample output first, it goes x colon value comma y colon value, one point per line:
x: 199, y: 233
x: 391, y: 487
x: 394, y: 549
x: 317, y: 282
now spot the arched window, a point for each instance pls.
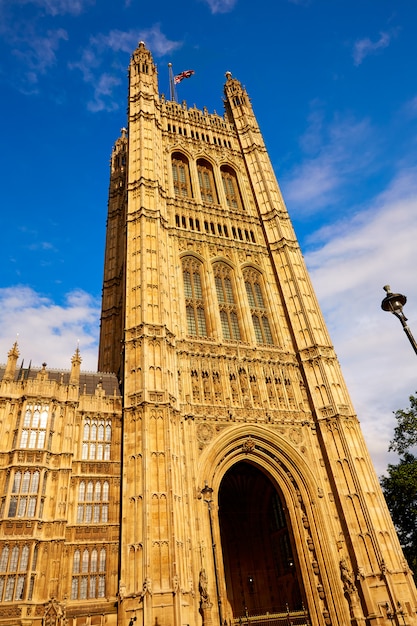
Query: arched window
x: 89, y: 580
x: 227, y: 302
x: 194, y: 302
x: 76, y: 562
x: 181, y: 176
x: 4, y: 559
x: 97, y: 438
x: 25, y: 494
x: 231, y: 188
x: 253, y: 284
x: 93, y: 503
x: 14, y: 564
x: 35, y: 422
x: 206, y: 180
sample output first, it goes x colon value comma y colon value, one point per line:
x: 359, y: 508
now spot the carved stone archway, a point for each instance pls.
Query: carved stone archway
x: 257, y: 544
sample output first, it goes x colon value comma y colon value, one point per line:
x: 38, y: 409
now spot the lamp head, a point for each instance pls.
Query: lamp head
x: 394, y: 302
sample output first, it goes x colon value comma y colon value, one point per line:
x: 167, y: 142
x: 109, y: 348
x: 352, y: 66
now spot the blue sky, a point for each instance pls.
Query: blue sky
x: 333, y: 85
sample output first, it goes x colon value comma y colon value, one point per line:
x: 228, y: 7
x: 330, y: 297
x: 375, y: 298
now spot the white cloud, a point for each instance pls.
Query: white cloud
x: 42, y: 245
x: 409, y: 110
x: 127, y: 41
x: 357, y: 257
x: 59, y: 7
x: 332, y: 154
x: 31, y: 47
x: 221, y: 6
x: 95, y: 55
x: 103, y: 92
x: 365, y: 47
x: 37, y: 53
x: 47, y: 331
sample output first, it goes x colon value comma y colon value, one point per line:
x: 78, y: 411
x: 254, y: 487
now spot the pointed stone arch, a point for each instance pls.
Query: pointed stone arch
x: 315, y: 549
x: 181, y: 175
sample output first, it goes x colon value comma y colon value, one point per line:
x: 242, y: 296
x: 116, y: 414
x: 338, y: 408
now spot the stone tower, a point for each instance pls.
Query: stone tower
x: 213, y: 473
x: 247, y: 488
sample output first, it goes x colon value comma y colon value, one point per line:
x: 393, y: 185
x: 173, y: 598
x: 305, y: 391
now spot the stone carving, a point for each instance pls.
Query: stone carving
x: 204, y: 432
x: 146, y: 588
x: 248, y: 445
x: 54, y: 613
x: 202, y: 587
x: 347, y: 577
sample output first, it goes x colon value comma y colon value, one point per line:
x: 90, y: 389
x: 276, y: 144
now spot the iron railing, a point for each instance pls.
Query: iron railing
x: 282, y: 618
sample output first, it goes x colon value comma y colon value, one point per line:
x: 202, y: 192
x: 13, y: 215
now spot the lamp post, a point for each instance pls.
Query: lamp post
x: 393, y: 303
x: 207, y: 493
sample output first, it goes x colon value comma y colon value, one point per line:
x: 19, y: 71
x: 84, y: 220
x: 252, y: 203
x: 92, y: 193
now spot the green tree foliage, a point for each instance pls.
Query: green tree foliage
x: 400, y: 490
x: 400, y: 483
x: 405, y: 433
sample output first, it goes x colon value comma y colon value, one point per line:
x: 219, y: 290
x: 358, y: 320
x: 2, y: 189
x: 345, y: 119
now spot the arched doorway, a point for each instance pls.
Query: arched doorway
x: 257, y: 545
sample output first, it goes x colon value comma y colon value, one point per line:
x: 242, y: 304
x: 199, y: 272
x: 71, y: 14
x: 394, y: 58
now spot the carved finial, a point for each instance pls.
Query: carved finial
x: 42, y: 374
x: 14, y: 350
x: 75, y: 367
x: 12, y: 357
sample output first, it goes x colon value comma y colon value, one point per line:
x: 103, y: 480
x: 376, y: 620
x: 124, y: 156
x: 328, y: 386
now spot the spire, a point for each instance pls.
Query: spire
x: 75, y: 367
x: 142, y: 70
x: 119, y: 157
x: 237, y: 101
x: 12, y: 357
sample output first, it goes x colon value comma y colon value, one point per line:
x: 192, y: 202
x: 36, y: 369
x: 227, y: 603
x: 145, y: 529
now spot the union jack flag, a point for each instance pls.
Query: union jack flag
x: 186, y: 74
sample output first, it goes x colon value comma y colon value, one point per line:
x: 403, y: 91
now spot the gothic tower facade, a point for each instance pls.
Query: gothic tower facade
x: 247, y: 488
x: 215, y: 474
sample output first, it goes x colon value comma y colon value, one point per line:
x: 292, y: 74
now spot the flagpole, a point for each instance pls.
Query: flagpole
x: 172, y: 94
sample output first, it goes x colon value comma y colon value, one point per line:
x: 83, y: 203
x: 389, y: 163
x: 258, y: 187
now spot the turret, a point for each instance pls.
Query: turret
x: 75, y: 368
x: 12, y: 357
x: 111, y: 331
x: 142, y: 69
x: 118, y: 162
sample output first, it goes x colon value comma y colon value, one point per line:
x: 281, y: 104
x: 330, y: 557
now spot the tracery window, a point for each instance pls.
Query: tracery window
x: 194, y: 301
x: 259, y: 312
x: 93, y: 502
x: 88, y: 574
x: 181, y: 176
x: 206, y: 180
x: 96, y: 439
x: 226, y: 301
x: 35, y: 422
x: 231, y: 188
x: 24, y: 494
x: 14, y: 561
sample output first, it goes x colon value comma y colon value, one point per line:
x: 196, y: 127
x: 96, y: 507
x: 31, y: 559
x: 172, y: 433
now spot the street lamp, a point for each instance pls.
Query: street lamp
x: 207, y: 493
x: 393, y: 303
